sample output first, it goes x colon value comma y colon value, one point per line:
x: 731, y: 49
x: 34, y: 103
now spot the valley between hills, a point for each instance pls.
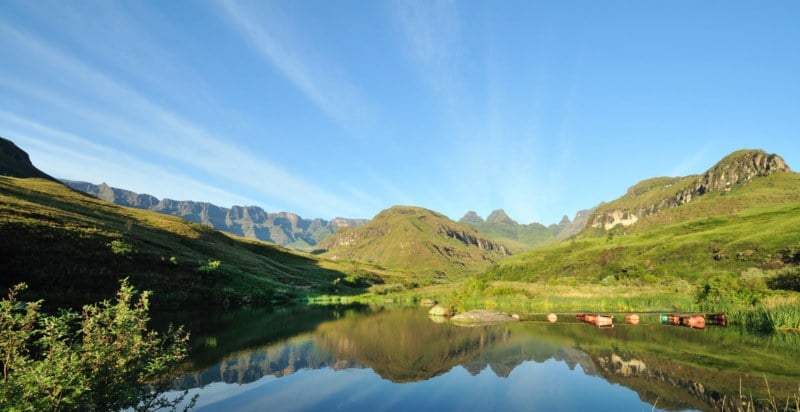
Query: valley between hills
x: 725, y: 239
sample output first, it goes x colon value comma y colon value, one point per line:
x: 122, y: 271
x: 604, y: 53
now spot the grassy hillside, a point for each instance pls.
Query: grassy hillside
x: 654, y: 195
x: 72, y: 248
x: 422, y: 244
x: 501, y: 228
x: 755, y: 226
x: 519, y: 237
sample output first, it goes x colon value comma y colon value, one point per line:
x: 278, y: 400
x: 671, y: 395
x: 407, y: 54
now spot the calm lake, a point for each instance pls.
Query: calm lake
x: 399, y: 359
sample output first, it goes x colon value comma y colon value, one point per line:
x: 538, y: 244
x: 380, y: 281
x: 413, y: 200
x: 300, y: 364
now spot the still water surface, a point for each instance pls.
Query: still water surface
x: 374, y: 358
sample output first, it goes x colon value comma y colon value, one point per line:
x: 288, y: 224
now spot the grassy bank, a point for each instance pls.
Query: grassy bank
x: 775, y: 311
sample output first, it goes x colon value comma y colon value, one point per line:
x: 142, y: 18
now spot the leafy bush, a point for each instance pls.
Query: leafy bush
x: 608, y: 280
x: 120, y: 247
x: 727, y: 291
x: 104, y: 358
x: 212, y: 266
x: 785, y: 281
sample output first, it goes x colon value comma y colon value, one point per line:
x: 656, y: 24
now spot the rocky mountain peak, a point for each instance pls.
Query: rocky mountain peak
x: 500, y: 216
x: 736, y: 169
x: 471, y: 218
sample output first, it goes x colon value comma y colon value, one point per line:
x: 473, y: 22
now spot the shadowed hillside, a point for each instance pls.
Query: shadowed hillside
x: 72, y: 248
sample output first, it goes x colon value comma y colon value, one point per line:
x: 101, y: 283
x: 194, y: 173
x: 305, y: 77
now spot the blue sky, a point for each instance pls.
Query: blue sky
x: 345, y: 108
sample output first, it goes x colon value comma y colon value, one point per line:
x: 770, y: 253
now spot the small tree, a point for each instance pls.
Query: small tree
x: 103, y: 359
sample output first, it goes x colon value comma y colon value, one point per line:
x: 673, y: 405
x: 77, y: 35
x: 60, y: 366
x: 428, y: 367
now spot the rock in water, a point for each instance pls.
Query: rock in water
x: 481, y: 318
x: 440, y: 310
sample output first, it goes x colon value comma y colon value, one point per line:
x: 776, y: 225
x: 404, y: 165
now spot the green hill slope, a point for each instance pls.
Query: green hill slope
x: 72, y: 248
x: 654, y: 195
x: 739, y: 217
x: 415, y: 241
x: 498, y: 226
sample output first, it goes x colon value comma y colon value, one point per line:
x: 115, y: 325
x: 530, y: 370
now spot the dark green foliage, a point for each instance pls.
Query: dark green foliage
x: 756, y: 320
x: 104, y: 358
x: 785, y: 281
x: 726, y: 291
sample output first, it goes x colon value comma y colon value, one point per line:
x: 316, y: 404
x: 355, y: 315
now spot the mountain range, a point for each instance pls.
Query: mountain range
x: 742, y: 214
x: 500, y: 227
x: 290, y: 230
x: 251, y: 222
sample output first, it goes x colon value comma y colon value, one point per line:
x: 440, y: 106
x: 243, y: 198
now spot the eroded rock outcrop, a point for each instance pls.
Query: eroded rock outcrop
x: 734, y: 170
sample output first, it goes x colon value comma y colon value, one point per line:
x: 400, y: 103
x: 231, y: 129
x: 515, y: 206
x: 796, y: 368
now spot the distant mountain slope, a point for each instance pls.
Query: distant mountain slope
x: 252, y: 222
x: 653, y: 195
x: 744, y: 213
x: 15, y: 162
x: 71, y: 248
x: 500, y: 227
x: 566, y: 228
x: 416, y: 241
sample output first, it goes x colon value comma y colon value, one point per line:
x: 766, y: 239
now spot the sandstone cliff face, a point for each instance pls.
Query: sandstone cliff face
x: 253, y: 222
x: 734, y: 170
x: 738, y: 168
x: 471, y: 240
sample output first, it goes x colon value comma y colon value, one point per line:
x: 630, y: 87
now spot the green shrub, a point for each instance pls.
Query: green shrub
x: 120, y: 247
x: 648, y: 278
x: 211, y: 266
x: 785, y: 281
x: 608, y: 280
x: 726, y: 291
x: 104, y: 358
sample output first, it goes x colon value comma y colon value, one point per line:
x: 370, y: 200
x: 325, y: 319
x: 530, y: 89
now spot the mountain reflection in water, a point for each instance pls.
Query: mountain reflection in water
x: 377, y: 359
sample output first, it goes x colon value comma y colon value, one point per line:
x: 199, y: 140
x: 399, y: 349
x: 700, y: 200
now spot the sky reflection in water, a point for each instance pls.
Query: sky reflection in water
x: 374, y: 359
x: 547, y: 386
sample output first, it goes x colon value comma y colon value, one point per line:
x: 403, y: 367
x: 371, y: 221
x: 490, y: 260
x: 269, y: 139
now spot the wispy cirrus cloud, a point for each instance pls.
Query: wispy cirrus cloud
x: 126, y: 118
x: 269, y: 32
x: 432, y: 35
x: 53, y: 149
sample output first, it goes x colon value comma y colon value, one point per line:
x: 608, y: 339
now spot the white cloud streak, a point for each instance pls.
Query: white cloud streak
x: 129, y: 118
x: 60, y: 150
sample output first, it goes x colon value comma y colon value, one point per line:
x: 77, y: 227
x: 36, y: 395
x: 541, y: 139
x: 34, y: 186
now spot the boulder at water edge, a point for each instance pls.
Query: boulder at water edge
x: 440, y: 310
x: 481, y: 317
